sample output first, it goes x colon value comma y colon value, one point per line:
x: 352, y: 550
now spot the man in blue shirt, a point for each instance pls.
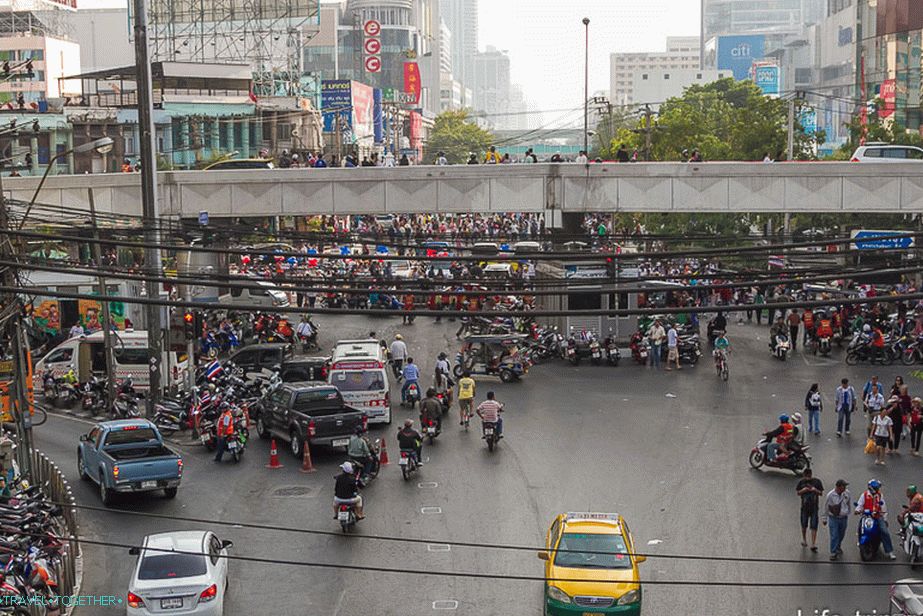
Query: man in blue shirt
x: 845, y: 405
x: 411, y: 375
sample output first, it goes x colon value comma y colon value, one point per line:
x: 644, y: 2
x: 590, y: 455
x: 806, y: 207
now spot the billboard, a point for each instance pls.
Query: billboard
x: 335, y: 100
x: 737, y: 54
x: 888, y: 95
x: 412, y: 85
x: 379, y: 117
x: 766, y: 75
x: 363, y: 115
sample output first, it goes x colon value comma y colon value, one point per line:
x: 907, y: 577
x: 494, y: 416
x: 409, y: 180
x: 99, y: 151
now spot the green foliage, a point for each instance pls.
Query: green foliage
x: 724, y: 120
x: 876, y: 129
x: 456, y: 134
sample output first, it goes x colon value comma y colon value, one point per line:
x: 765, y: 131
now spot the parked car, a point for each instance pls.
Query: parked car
x: 181, y: 572
x: 272, y: 356
x: 299, y: 413
x: 887, y: 153
x: 128, y: 455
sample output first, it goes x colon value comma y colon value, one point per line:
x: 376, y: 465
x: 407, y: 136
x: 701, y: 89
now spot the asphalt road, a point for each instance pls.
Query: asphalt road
x: 667, y: 450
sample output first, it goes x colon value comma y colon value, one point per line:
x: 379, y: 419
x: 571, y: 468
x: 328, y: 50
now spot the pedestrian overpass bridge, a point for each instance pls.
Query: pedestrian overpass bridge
x: 567, y: 188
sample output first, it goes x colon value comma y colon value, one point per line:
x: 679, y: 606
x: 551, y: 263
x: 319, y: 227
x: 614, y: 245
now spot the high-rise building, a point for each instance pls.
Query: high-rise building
x: 492, y: 82
x: 682, y: 53
x: 461, y: 17
x: 723, y: 17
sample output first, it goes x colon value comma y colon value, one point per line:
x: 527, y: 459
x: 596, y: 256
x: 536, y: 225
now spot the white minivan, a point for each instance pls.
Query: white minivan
x: 86, y: 356
x: 267, y: 295
x: 359, y: 369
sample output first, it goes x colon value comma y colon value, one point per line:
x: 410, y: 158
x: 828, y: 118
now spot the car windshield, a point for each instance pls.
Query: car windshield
x: 592, y: 551
x: 358, y: 380
x: 171, y: 566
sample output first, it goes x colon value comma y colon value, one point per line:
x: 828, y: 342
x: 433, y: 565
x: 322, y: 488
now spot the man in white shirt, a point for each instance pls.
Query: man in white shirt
x: 673, y: 348
x: 398, y: 354
x: 581, y: 158
x: 656, y: 334
x: 874, y: 402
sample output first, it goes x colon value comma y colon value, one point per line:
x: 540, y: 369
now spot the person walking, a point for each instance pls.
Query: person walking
x: 656, y: 334
x: 793, y: 322
x: 916, y: 425
x: 673, y: 348
x: 882, y: 432
x: 836, y: 515
x: 874, y: 402
x: 845, y: 405
x: 810, y: 490
x: 813, y: 404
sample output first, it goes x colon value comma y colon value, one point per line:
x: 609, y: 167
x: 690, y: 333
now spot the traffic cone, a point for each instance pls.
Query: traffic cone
x: 306, y: 465
x: 273, y: 456
x: 383, y: 454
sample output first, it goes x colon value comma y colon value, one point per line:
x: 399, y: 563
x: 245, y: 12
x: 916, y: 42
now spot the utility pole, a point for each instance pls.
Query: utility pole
x: 648, y: 130
x: 586, y: 90
x: 148, y: 198
x: 791, y: 131
x: 104, y: 302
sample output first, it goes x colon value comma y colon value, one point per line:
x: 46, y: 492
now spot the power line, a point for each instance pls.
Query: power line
x: 465, y: 544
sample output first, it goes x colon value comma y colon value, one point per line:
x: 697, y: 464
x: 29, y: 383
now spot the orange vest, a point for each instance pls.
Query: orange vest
x: 872, y: 502
x: 825, y: 330
x: 788, y: 432
x: 226, y: 418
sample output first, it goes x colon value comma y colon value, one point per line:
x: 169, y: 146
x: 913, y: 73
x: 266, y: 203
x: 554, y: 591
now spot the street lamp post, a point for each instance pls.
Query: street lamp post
x: 586, y: 90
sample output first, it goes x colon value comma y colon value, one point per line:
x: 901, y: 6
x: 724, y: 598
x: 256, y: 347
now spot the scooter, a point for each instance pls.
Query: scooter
x: 782, y: 347
x: 408, y: 463
x: 430, y: 430
x: 823, y: 346
x: 125, y: 406
x: 613, y: 355
x: 412, y: 397
x: 639, y: 348
x: 912, y: 537
x: 869, y: 536
x: 50, y: 387
x: 94, y: 395
x: 797, y: 460
x: 237, y: 444
x: 490, y: 435
x: 346, y: 516
x: 596, y: 353
x: 570, y: 351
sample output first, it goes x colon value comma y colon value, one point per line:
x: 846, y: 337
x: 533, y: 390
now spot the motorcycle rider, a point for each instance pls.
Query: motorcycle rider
x: 489, y: 411
x: 784, y: 434
x: 346, y: 491
x: 306, y: 331
x: 824, y: 327
x: 718, y: 324
x: 431, y: 410
x: 358, y: 449
x: 442, y: 371
x: 398, y: 354
x: 914, y: 504
x: 466, y: 387
x: 722, y: 347
x: 411, y: 376
x: 224, y: 430
x: 873, y: 501
x: 409, y: 439
x: 778, y: 329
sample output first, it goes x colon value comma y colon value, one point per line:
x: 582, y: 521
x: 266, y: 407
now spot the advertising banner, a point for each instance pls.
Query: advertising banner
x: 737, y: 53
x: 378, y: 121
x: 335, y: 97
x: 888, y: 95
x: 412, y: 83
x: 767, y: 77
x: 363, y: 115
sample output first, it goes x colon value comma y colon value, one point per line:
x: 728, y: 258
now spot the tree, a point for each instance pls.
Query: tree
x: 724, y: 120
x: 876, y: 128
x: 457, y: 135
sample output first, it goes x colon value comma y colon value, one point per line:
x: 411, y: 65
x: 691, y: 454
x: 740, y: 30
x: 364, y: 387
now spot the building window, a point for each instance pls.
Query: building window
x: 666, y: 75
x: 698, y: 75
x: 644, y: 76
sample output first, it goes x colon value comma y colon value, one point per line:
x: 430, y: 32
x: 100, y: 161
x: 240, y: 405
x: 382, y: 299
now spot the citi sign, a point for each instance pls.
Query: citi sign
x: 742, y: 51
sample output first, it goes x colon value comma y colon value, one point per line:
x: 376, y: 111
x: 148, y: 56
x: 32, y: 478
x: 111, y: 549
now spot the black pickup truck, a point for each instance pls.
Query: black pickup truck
x: 308, y: 412
x: 257, y: 359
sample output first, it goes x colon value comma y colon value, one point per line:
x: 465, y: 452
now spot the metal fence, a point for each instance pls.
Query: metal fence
x: 69, y: 573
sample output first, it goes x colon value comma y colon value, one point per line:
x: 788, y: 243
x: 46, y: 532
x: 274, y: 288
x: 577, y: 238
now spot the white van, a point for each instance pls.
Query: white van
x: 268, y: 296
x: 365, y: 385
x: 359, y: 349
x: 86, y: 356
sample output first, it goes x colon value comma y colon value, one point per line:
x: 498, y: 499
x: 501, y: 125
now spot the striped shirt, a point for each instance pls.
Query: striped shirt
x: 489, y: 411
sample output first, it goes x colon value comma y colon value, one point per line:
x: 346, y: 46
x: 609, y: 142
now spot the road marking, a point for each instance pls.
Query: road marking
x: 438, y: 547
x: 430, y: 510
x: 445, y: 604
x: 427, y: 484
x: 655, y: 542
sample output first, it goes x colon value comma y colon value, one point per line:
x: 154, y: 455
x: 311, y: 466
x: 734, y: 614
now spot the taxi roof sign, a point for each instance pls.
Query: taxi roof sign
x: 585, y: 516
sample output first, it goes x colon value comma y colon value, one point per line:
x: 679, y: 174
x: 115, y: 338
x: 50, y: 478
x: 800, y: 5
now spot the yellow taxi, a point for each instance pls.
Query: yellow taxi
x: 590, y: 566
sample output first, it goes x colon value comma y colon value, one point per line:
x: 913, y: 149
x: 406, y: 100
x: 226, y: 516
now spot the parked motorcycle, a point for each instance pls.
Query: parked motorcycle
x: 613, y: 355
x: 688, y: 348
x: 797, y: 460
x: 93, y: 395
x: 125, y: 406
x: 639, y: 348
x: 596, y: 354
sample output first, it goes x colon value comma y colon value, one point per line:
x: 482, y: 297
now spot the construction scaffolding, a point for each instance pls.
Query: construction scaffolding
x: 36, y: 18
x: 269, y: 35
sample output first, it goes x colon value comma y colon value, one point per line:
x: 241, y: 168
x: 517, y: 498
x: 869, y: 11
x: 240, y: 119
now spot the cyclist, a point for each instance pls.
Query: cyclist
x: 466, y: 388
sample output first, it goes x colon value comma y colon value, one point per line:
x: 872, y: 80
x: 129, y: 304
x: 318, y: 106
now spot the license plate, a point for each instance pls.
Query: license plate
x: 204, y: 438
x: 232, y: 445
x: 343, y: 516
x: 171, y: 604
x: 489, y: 431
x: 152, y: 484
x: 403, y: 462
x: 570, y: 351
x: 340, y: 442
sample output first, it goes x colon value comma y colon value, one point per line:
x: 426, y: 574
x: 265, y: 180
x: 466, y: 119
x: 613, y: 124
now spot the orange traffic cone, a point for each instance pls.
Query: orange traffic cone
x: 273, y: 456
x: 383, y: 454
x: 306, y: 465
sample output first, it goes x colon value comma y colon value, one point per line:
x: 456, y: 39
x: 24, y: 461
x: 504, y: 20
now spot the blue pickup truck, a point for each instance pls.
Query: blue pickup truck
x: 128, y: 455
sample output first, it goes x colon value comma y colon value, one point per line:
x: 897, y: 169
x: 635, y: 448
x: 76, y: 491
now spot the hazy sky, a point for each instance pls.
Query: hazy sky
x: 545, y: 39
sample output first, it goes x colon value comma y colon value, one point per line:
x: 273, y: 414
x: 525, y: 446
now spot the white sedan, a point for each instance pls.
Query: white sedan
x: 183, y: 572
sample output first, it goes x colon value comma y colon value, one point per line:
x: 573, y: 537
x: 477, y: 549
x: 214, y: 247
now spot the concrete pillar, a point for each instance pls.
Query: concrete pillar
x: 229, y: 131
x: 245, y: 139
x: 33, y: 147
x: 53, y: 147
x: 258, y: 133
x: 167, y: 141
x: 69, y: 142
x: 215, y: 137
x: 571, y: 222
x: 184, y: 140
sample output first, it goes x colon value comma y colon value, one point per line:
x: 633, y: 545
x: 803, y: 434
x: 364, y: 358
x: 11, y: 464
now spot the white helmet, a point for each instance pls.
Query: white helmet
x: 347, y: 468
x: 866, y: 328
